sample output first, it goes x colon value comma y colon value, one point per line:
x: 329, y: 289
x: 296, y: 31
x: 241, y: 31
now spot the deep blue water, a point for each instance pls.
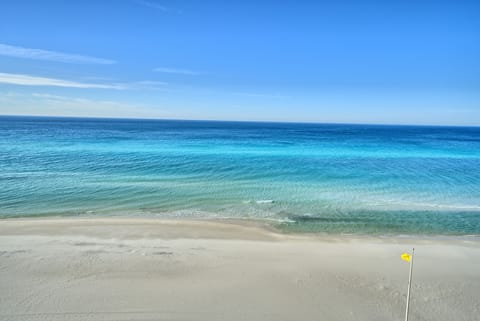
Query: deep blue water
x: 307, y: 177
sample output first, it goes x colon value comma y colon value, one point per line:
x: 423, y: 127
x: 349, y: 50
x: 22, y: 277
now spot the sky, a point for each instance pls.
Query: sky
x: 393, y: 62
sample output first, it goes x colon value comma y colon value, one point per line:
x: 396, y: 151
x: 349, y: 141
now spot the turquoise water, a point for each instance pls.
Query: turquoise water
x: 303, y: 177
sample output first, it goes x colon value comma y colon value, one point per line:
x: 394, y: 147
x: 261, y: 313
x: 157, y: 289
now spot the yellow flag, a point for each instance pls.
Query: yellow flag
x: 406, y: 257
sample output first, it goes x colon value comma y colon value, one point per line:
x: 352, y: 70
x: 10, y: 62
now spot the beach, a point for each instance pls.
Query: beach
x: 239, y: 160
x: 122, y: 268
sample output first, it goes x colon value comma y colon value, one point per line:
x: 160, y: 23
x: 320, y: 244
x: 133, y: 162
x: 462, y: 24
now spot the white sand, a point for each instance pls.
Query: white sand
x: 139, y: 269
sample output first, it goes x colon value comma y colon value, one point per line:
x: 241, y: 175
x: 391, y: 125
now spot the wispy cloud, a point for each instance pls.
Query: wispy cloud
x: 58, y: 98
x: 39, y: 54
x: 28, y: 80
x: 146, y: 84
x: 176, y: 71
x: 152, y: 4
x: 44, y: 104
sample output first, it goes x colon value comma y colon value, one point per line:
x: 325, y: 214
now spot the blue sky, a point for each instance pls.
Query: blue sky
x: 402, y: 62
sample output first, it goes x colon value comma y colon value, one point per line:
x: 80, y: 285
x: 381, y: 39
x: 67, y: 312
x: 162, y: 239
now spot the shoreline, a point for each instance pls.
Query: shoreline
x: 156, y: 269
x: 262, y: 226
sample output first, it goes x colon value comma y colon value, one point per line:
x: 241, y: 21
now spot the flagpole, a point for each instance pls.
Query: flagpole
x: 409, y: 285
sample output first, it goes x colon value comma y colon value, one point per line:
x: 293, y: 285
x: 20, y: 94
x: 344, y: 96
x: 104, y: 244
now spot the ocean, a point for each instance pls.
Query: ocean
x: 315, y: 178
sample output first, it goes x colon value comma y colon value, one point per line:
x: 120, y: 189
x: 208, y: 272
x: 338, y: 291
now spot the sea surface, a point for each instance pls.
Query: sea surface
x: 366, y: 179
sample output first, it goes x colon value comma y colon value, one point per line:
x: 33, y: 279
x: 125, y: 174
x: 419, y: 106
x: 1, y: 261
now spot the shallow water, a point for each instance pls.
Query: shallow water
x: 308, y: 177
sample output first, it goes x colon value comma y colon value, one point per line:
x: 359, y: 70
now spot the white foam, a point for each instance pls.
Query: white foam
x: 264, y: 201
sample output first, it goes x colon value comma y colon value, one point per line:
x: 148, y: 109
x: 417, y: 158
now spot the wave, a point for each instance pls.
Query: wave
x: 259, y: 202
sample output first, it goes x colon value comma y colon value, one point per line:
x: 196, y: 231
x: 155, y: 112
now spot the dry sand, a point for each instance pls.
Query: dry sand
x: 141, y: 269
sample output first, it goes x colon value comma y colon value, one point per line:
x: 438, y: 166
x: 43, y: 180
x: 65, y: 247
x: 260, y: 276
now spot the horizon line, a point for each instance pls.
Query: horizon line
x: 242, y: 121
